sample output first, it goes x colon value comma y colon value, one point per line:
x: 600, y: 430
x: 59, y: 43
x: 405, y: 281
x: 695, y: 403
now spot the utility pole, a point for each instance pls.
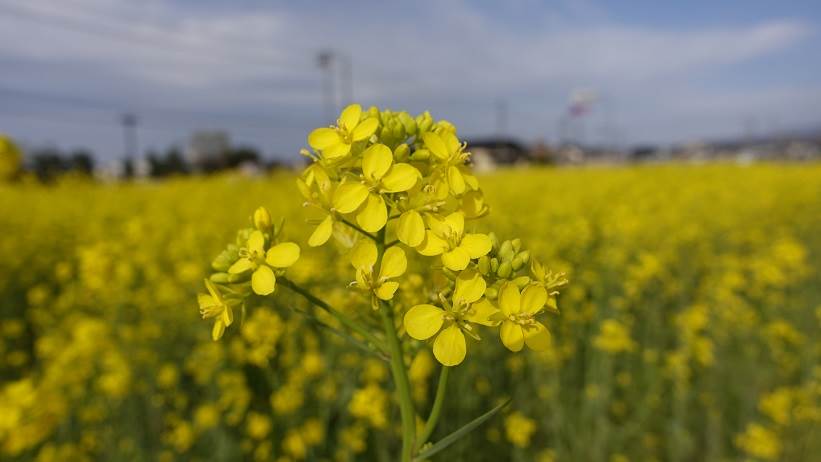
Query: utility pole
x: 325, y: 60
x: 129, y: 122
x: 337, y: 69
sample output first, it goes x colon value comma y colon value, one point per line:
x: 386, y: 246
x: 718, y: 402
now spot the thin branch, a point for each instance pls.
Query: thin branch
x: 344, y: 320
x: 353, y: 226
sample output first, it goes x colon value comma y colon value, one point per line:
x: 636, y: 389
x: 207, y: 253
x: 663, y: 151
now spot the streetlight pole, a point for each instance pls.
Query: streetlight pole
x: 129, y: 122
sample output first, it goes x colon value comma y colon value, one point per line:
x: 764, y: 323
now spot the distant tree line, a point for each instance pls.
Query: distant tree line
x: 49, y: 163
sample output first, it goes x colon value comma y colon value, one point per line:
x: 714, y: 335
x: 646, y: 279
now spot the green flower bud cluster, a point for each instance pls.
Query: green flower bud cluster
x: 506, y: 262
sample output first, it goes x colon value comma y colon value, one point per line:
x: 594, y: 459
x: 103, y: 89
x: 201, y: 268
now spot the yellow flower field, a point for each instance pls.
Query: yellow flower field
x: 690, y: 329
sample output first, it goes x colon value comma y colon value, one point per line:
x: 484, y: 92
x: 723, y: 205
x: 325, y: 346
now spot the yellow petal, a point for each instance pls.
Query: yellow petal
x: 512, y: 336
x: 374, y: 215
x: 376, y: 160
x: 456, y: 259
x: 401, y: 177
x: 350, y: 116
x: 456, y: 182
x: 476, y: 245
x: 349, y: 196
x: 449, y: 346
x: 282, y: 255
x: 394, y: 263
x: 227, y: 316
x: 263, y: 280
x: 411, y: 228
x: 509, y: 299
x: 362, y: 278
x: 473, y: 204
x: 456, y: 222
x: 218, y: 330
x: 240, y: 266
x: 533, y: 299
x: 537, y: 337
x: 212, y: 289
x: 437, y: 225
x: 436, y: 145
x: 470, y: 286
x: 256, y: 241
x: 206, y: 301
x: 451, y: 141
x: 483, y: 312
x: 422, y: 321
x: 336, y: 151
x: 470, y: 179
x: 323, y: 138
x: 322, y: 232
x: 365, y: 129
x: 363, y: 255
x: 432, y: 245
x: 386, y: 290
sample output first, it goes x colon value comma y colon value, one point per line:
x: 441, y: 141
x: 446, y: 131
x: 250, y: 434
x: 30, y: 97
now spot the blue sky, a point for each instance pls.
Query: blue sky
x: 661, y: 72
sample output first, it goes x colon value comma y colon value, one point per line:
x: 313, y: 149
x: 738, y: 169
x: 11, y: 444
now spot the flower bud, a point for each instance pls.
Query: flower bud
x: 401, y: 152
x: 484, y: 265
x: 517, y: 244
x: 494, y: 264
x: 505, y: 270
x: 494, y: 241
x: 262, y: 219
x: 491, y: 293
x: 408, y: 123
x: 516, y: 263
x: 420, y: 154
x: 220, y: 278
x: 521, y: 281
x: 424, y: 122
x: 525, y: 256
x: 506, y: 251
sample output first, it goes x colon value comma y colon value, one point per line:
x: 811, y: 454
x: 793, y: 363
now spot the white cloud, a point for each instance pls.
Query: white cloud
x: 165, y: 54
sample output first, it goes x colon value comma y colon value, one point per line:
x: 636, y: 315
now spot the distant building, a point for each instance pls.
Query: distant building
x: 489, y: 153
x: 208, y: 150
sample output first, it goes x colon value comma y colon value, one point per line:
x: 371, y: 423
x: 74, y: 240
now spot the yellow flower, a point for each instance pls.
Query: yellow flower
x: 614, y: 337
x: 335, y: 142
x: 467, y: 307
x: 519, y: 312
x: 394, y: 263
x: 212, y: 305
x: 760, y: 442
x: 380, y: 175
x: 316, y: 176
x: 519, y: 429
x: 254, y: 258
x: 410, y: 228
x: 447, y: 149
x: 447, y: 238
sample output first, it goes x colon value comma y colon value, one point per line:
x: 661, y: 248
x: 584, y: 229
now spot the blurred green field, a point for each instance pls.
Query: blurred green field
x: 691, y: 329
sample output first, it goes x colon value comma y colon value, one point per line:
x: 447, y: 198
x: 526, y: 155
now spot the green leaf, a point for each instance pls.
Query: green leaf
x: 458, y: 434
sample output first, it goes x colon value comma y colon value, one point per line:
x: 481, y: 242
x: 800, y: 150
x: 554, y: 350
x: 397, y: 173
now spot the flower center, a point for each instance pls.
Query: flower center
x: 522, y: 319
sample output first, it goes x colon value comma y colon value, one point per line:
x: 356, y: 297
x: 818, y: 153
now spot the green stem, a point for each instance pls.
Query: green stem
x: 344, y: 320
x: 391, y: 243
x: 400, y: 378
x: 353, y: 226
x: 345, y: 336
x: 433, y: 419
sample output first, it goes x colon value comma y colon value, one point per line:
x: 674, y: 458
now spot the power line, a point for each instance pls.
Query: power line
x: 158, y: 40
x: 177, y: 114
